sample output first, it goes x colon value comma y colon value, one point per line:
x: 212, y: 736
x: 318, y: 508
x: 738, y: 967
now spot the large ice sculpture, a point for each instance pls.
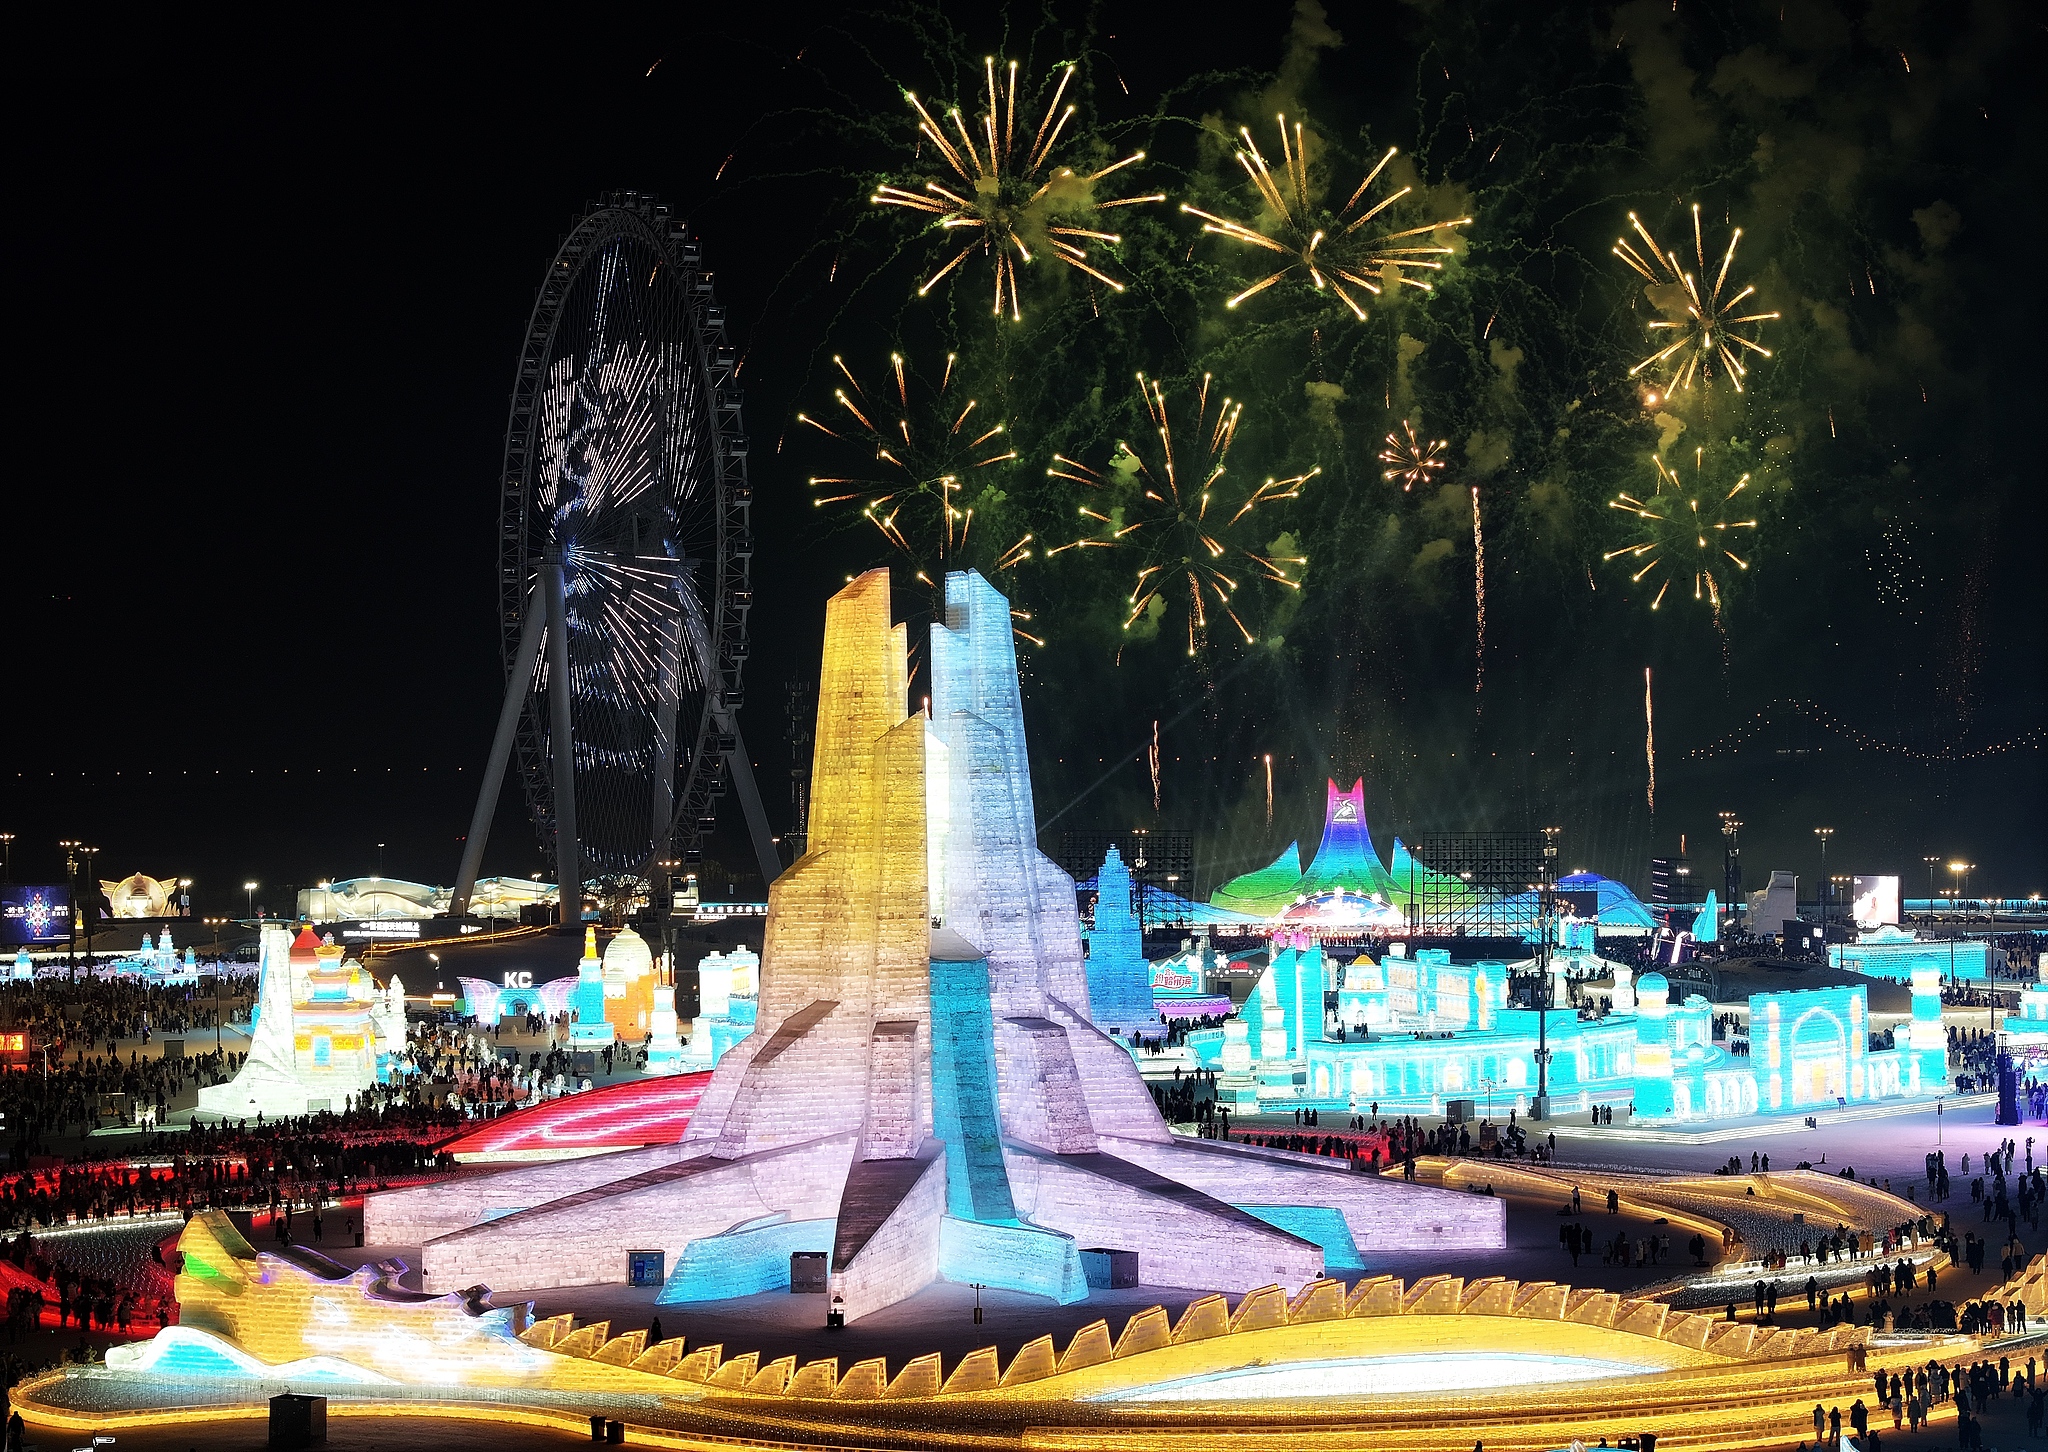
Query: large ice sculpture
x: 925, y: 1080
x: 314, y: 1040
x: 1119, y: 978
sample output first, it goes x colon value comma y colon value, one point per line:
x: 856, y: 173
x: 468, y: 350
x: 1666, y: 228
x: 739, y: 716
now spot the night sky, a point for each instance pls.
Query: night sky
x: 270, y: 290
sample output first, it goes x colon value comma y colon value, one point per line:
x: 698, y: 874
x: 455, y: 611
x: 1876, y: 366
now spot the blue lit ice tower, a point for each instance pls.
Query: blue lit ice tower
x: 1927, y: 1039
x: 590, y: 1030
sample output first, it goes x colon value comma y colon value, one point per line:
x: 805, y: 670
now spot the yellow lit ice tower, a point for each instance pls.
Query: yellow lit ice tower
x: 925, y: 1093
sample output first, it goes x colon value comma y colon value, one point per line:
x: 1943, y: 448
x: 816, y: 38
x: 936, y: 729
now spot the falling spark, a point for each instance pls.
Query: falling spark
x: 1176, y: 522
x: 1650, y: 741
x: 916, y: 447
x: 1414, y: 460
x: 1269, y: 789
x: 1686, y: 530
x: 1337, y: 256
x: 653, y: 68
x: 717, y: 175
x: 1021, y: 210
x: 1155, y: 765
x: 1710, y: 331
x: 1478, y: 597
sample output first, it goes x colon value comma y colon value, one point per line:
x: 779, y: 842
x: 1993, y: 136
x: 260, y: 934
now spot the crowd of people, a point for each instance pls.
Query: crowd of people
x: 1909, y: 1398
x: 73, y: 1060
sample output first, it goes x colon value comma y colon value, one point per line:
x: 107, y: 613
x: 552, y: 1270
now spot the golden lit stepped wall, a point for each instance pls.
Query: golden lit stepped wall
x: 1694, y: 1200
x: 825, y: 1111
x: 1700, y: 1382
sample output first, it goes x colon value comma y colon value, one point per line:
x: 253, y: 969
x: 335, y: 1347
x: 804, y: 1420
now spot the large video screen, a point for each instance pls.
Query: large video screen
x: 1874, y: 901
x: 31, y: 915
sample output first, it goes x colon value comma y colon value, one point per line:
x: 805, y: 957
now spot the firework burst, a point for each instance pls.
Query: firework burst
x: 1415, y: 461
x: 1017, y: 207
x: 1175, y: 521
x: 1708, y: 333
x: 1688, y: 529
x: 1334, y: 251
x: 915, y: 449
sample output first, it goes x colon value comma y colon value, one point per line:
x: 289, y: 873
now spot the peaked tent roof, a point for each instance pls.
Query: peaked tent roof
x: 1619, y: 908
x: 1416, y: 879
x: 1347, y: 859
x: 1265, y: 892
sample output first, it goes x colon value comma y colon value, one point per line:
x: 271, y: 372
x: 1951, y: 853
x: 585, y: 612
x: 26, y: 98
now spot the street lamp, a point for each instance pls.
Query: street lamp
x: 1731, y: 861
x: 1824, y: 833
x: 71, y: 907
x: 6, y: 857
x: 216, y: 924
x: 184, y: 897
x: 92, y: 878
x: 1932, y: 863
x: 1960, y: 874
x: 250, y: 888
x: 1956, y: 871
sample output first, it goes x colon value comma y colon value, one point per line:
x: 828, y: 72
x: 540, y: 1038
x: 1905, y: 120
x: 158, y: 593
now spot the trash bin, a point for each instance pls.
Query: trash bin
x: 297, y: 1421
x: 808, y: 1272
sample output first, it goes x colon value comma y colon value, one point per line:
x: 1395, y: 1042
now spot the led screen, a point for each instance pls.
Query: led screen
x: 1874, y: 901
x: 30, y: 915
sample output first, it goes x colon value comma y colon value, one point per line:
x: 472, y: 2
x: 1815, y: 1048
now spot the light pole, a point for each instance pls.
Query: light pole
x: 1731, y: 862
x: 380, y: 861
x: 1546, y: 906
x: 6, y: 857
x: 71, y: 907
x: 184, y: 897
x: 216, y: 924
x: 1956, y: 871
x: 90, y: 854
x: 1932, y: 863
x: 250, y: 888
x: 1826, y: 895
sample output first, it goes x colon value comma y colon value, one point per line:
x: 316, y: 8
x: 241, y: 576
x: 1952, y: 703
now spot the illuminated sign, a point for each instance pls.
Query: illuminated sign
x: 381, y: 930
x: 519, y: 979
x: 1171, y: 980
x: 1346, y: 810
x: 13, y: 1043
x: 707, y: 911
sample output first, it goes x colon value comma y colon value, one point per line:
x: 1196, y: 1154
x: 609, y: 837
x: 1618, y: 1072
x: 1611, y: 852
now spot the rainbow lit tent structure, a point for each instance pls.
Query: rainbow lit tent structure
x: 1347, y: 886
x: 1346, y: 877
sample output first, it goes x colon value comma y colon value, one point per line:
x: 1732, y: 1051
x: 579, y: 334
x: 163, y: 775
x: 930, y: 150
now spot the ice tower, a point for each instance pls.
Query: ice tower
x: 926, y: 1093
x: 1119, y: 978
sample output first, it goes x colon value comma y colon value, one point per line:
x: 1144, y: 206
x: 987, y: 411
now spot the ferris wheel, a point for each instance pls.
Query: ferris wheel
x: 623, y: 561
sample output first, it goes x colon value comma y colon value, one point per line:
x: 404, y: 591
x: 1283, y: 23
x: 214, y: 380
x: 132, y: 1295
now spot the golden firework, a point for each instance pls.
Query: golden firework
x: 917, y: 447
x: 1015, y: 203
x: 1707, y: 334
x: 1322, y: 245
x: 1415, y: 460
x: 1687, y: 530
x: 1175, y: 521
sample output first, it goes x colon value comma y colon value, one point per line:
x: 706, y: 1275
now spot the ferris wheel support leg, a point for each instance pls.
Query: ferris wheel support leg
x: 516, y: 687
x: 740, y: 768
x: 561, y: 742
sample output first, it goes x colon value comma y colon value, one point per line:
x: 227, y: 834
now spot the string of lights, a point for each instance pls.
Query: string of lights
x: 1860, y: 740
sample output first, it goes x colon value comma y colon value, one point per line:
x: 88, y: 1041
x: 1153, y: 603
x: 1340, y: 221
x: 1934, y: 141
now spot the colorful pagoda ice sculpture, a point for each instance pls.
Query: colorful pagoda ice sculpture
x: 314, y: 1038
